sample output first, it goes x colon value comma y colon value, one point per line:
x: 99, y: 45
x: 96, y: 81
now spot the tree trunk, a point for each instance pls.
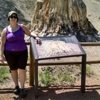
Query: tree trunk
x: 62, y: 17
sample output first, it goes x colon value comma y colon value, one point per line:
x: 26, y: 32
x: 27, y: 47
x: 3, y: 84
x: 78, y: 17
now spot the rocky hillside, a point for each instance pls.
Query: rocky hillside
x: 23, y: 7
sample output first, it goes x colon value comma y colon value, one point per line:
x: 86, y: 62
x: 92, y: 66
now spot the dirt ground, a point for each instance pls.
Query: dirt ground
x: 56, y: 93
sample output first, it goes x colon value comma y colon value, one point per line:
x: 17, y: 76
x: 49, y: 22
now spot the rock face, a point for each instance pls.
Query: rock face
x: 24, y: 9
x: 63, y: 17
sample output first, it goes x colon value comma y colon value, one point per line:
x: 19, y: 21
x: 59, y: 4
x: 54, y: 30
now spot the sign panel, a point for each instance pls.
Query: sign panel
x: 59, y: 46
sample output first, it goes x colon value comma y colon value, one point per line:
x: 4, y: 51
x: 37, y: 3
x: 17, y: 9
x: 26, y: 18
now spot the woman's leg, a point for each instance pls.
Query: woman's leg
x: 14, y: 75
x: 22, y: 77
x: 22, y: 61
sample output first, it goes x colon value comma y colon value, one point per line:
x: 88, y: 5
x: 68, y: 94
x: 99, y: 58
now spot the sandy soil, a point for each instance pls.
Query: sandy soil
x: 93, y: 12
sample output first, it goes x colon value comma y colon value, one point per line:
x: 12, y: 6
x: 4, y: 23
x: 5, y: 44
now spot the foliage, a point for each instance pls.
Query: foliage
x: 88, y: 70
x: 4, y: 73
x: 64, y: 76
x: 27, y: 76
x: 46, y: 76
x: 53, y: 76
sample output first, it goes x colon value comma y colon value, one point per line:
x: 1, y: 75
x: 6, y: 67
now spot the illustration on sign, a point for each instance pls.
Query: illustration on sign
x: 57, y: 48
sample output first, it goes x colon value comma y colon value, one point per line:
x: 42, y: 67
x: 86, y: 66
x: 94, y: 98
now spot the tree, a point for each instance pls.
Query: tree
x: 62, y: 17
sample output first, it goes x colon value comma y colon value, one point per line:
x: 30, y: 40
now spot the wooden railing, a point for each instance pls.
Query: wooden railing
x: 31, y: 62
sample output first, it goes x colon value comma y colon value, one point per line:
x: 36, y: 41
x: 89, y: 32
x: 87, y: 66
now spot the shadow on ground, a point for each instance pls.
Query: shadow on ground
x: 55, y: 93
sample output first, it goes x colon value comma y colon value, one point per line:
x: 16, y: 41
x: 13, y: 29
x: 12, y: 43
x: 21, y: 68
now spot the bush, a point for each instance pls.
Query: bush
x: 4, y: 73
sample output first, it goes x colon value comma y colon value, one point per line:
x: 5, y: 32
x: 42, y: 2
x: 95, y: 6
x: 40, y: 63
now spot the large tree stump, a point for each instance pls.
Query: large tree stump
x: 62, y: 17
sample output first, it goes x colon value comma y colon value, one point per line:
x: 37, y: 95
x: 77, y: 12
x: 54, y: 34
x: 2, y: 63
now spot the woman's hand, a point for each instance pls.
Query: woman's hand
x: 38, y: 40
x: 2, y: 59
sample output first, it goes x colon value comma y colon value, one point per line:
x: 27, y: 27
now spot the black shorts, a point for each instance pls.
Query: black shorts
x: 17, y: 59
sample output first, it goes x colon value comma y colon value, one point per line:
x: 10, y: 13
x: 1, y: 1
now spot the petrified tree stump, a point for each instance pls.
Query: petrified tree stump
x: 62, y: 17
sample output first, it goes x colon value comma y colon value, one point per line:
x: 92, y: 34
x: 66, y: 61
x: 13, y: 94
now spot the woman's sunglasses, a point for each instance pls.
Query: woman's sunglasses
x: 13, y: 17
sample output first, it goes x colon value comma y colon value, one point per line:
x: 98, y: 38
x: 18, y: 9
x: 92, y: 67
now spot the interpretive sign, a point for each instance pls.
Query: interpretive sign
x: 59, y: 46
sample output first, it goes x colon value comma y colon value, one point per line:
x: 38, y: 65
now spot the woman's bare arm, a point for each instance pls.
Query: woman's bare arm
x: 27, y: 32
x: 2, y: 43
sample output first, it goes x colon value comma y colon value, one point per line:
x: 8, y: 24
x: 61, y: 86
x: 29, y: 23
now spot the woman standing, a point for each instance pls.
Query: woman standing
x: 14, y: 48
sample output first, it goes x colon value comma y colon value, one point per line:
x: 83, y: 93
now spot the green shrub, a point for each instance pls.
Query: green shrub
x: 4, y: 73
x: 52, y: 76
x: 46, y: 76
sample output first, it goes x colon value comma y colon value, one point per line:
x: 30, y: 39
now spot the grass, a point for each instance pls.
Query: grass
x: 4, y: 73
x: 48, y: 76
x: 54, y: 76
x: 27, y: 76
x: 89, y: 72
x: 65, y: 75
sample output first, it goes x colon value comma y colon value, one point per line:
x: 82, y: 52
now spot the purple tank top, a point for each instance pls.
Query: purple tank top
x: 15, y: 40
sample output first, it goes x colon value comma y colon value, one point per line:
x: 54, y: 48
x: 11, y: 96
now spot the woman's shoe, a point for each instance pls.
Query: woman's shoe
x: 22, y: 93
x: 17, y: 90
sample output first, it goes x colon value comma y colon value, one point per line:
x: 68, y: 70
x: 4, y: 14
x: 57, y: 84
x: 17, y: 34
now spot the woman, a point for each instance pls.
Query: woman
x: 14, y: 48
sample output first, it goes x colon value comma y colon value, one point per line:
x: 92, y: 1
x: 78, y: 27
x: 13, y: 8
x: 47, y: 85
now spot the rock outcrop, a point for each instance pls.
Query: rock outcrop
x: 24, y: 9
x: 63, y: 17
